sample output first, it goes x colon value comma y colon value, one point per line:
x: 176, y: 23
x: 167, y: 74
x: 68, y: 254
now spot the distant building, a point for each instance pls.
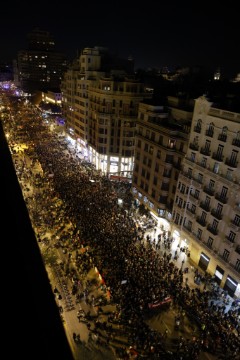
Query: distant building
x: 100, y: 104
x: 206, y: 211
x: 40, y: 66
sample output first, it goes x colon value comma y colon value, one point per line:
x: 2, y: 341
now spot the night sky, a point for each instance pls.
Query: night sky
x: 155, y: 33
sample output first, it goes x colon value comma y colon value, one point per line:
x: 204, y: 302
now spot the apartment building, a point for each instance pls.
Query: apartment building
x: 40, y: 66
x: 100, y: 104
x: 162, y: 134
x: 206, y: 211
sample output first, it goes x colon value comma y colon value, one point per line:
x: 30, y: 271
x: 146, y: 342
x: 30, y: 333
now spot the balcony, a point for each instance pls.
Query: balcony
x: 197, y: 129
x: 190, y: 212
x: 236, y: 142
x: 205, y: 206
x: 235, y: 226
x: 208, y: 190
x: 238, y: 249
x: 231, y: 163
x: 205, y: 151
x: 228, y: 239
x: 221, y: 198
x: 216, y: 214
x: 217, y: 156
x: 193, y: 146
x: 212, y: 229
x: 222, y: 137
x: 209, y: 133
x: 201, y: 221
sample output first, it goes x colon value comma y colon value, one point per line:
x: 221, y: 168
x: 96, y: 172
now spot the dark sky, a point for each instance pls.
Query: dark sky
x: 155, y: 33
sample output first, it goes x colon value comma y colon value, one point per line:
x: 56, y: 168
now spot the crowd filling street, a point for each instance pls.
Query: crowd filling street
x: 111, y: 267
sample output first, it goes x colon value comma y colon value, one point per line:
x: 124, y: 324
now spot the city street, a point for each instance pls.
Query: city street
x: 75, y: 280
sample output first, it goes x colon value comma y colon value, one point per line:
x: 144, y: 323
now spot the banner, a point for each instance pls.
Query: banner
x: 160, y: 303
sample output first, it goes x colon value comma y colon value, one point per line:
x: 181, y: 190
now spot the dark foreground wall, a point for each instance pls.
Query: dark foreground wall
x: 30, y: 322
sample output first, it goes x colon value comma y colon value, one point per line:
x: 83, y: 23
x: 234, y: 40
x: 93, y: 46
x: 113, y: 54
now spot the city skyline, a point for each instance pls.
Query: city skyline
x: 168, y: 35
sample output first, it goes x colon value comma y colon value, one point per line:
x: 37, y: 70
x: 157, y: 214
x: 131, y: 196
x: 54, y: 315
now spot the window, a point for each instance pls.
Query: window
x: 139, y: 143
x: 199, y: 234
x: 200, y: 178
x: 236, y: 220
x: 224, y: 192
x: 231, y: 236
x: 169, y: 159
x: 216, y: 168
x: 211, y: 184
x: 223, y: 135
x: 192, y: 157
x: 237, y: 265
x: 229, y: 174
x: 226, y: 254
x: 196, y: 195
x: 204, y: 162
x: 146, y: 146
x: 198, y: 127
x: 159, y: 154
x: 210, y: 242
x: 210, y: 130
x: 155, y: 179
x: 171, y: 143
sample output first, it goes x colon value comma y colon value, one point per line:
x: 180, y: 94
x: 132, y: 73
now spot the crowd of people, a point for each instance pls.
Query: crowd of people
x: 134, y: 271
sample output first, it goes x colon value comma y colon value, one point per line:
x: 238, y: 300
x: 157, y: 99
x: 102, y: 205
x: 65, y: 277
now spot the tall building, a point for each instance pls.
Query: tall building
x: 206, y: 213
x: 161, y: 143
x: 100, y: 104
x: 40, y: 66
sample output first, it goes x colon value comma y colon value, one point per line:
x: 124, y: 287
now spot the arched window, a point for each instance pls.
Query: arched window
x: 198, y: 127
x: 236, y: 141
x: 210, y: 130
x: 223, y: 135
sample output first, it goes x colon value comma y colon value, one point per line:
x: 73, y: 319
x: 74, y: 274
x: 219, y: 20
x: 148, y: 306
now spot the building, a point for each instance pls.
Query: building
x: 100, y: 104
x: 161, y: 143
x: 40, y: 66
x: 206, y: 212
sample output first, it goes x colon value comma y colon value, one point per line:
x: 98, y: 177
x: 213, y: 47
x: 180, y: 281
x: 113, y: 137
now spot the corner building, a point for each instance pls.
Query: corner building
x: 206, y: 212
x: 100, y: 104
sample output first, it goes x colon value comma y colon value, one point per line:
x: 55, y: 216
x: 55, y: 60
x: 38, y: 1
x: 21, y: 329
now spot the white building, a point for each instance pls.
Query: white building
x: 206, y: 212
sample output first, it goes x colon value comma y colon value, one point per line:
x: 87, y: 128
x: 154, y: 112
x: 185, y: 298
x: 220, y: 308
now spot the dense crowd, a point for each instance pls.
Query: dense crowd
x: 134, y: 271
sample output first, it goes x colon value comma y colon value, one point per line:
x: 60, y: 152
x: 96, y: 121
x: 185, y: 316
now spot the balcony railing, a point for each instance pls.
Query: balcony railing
x: 208, y: 190
x: 221, y: 198
x: 218, y: 157
x: 222, y: 137
x: 205, y: 151
x: 216, y: 214
x: 194, y: 146
x: 197, y: 129
x: 201, y: 221
x: 212, y: 229
x: 205, y: 206
x: 236, y: 142
x: 231, y: 163
x: 209, y: 133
